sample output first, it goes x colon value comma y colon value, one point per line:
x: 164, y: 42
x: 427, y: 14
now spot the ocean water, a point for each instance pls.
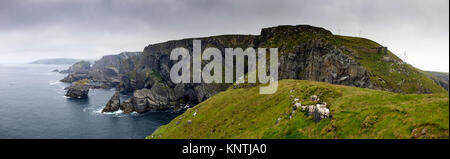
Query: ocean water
x: 32, y: 105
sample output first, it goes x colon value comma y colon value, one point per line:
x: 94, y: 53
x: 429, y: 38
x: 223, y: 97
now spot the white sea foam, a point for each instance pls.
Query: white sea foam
x: 54, y: 82
x: 134, y: 113
x: 98, y: 111
x: 118, y: 112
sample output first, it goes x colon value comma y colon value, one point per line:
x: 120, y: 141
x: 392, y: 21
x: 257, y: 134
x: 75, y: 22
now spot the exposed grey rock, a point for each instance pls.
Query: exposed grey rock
x: 278, y: 121
x: 64, y: 71
x: 55, y: 70
x: 106, y: 77
x: 440, y: 78
x: 78, y: 91
x: 387, y: 59
x: 314, y: 98
x: 72, y: 77
x: 127, y: 106
x: 113, y: 104
x: 123, y: 62
x: 106, y: 72
x: 319, y: 111
x: 297, y: 105
x: 78, y: 71
x: 318, y: 60
x: 310, y: 109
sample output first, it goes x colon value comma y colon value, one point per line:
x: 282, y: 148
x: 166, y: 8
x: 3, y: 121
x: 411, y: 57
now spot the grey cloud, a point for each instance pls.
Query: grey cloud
x: 88, y: 28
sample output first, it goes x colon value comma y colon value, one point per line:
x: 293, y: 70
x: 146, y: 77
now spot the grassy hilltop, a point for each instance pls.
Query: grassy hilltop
x: 356, y: 113
x: 404, y: 103
x: 387, y: 71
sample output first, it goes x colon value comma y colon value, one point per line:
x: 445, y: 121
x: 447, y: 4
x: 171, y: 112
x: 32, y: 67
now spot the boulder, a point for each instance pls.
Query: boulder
x: 314, y: 98
x: 296, y: 106
x: 320, y: 111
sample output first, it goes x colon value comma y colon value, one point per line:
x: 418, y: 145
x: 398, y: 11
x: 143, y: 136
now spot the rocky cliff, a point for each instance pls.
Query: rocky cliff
x: 318, y: 60
x: 105, y: 72
x: 305, y: 52
x: 79, y: 89
x: 440, y: 78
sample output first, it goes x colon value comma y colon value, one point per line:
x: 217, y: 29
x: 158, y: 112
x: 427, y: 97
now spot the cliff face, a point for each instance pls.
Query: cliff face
x: 317, y: 60
x: 78, y: 71
x: 106, y: 72
x: 439, y: 78
x: 305, y: 52
x: 124, y: 62
x: 151, y: 84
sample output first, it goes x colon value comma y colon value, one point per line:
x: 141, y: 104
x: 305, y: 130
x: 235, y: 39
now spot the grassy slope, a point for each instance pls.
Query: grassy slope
x: 357, y: 113
x: 388, y: 75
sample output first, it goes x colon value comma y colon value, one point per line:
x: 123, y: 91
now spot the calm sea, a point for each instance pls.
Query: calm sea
x: 32, y: 105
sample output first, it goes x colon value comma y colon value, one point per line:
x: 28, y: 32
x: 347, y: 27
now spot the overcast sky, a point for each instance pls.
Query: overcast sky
x: 88, y: 29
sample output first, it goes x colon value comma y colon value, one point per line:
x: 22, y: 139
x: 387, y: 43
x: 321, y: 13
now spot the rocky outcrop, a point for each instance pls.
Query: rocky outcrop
x: 318, y: 111
x: 64, y: 71
x: 106, y: 77
x: 151, y: 84
x: 440, y: 78
x: 78, y: 71
x: 159, y: 97
x: 113, y: 104
x: 106, y: 72
x: 123, y: 62
x: 72, y: 77
x: 442, y: 83
x: 318, y: 60
x: 79, y: 89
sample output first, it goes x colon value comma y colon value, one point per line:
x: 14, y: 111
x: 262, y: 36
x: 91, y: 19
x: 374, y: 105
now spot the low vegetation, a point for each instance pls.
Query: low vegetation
x: 356, y: 113
x: 82, y: 82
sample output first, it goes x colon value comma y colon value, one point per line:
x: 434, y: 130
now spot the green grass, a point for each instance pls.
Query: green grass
x: 357, y: 113
x: 82, y: 82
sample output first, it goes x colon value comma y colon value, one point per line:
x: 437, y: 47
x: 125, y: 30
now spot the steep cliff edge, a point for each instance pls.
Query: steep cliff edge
x: 105, y: 72
x: 305, y: 52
